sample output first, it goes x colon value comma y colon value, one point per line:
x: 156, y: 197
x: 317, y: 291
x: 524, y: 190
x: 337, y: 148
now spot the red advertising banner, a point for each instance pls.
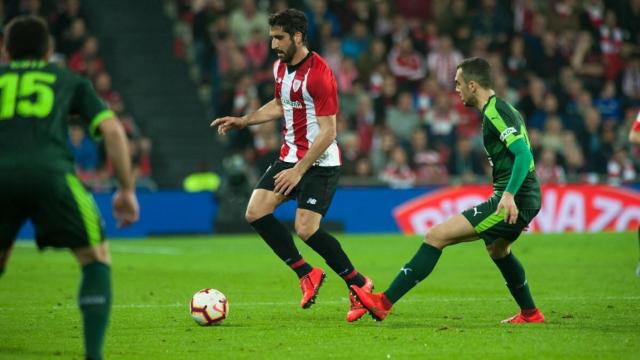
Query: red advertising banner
x: 565, y: 208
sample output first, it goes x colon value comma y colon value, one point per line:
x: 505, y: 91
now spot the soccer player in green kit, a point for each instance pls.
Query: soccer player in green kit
x: 37, y: 176
x: 499, y: 220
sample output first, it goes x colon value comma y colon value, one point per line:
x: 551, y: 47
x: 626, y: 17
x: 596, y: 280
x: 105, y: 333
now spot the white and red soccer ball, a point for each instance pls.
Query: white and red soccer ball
x: 209, y: 307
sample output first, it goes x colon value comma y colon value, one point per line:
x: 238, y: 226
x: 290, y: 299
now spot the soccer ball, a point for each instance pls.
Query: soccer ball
x: 209, y: 307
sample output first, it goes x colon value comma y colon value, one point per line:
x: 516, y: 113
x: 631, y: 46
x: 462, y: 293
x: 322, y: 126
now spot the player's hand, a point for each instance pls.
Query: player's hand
x: 286, y: 181
x: 227, y: 123
x: 125, y: 208
x: 510, y: 209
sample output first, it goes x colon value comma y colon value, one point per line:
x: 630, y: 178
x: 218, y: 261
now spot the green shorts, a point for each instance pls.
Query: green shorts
x: 491, y: 227
x: 63, y: 213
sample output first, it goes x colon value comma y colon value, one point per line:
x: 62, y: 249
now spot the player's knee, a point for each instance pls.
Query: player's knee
x: 252, y: 214
x: 88, y: 255
x: 305, y: 231
x: 434, y: 238
x: 497, y: 252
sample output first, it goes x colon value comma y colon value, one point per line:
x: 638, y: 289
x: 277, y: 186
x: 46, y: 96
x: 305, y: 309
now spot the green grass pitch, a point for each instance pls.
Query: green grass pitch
x: 585, y: 284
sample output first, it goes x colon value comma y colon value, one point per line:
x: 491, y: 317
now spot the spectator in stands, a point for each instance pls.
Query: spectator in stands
x: 466, y: 163
x: 318, y: 14
x: 609, y: 105
x: 611, y: 45
x: 397, y: 173
x: 620, y: 169
x: 441, y: 121
x: 384, y: 140
x: 456, y: 21
x: 244, y: 19
x: 427, y: 163
x: 573, y: 156
x: 548, y: 169
x: 356, y: 44
x: 631, y: 80
x: 402, y: 118
x: 492, y: 21
x: 406, y: 64
x: 516, y: 63
x: 540, y: 116
x: 71, y: 10
x: 85, y: 153
x: 442, y: 62
x: 591, y: 143
x: 87, y: 60
x: 73, y: 38
x: 587, y: 62
x: 552, y: 137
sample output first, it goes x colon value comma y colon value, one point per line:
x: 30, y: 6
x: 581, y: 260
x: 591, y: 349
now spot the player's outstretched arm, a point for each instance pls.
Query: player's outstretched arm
x: 268, y: 112
x: 125, y: 203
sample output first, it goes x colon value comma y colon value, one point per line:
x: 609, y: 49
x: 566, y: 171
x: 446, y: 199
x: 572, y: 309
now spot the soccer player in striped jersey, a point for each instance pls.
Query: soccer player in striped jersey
x: 37, y: 174
x: 634, y: 138
x: 515, y: 201
x: 308, y: 168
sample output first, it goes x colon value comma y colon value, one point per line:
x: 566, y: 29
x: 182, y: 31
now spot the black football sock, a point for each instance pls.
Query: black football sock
x: 513, y: 273
x: 329, y: 248
x: 94, y: 300
x: 276, y: 235
x: 413, y: 272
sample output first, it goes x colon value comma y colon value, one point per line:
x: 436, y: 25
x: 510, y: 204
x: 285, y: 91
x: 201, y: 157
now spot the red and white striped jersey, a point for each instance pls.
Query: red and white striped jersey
x: 307, y: 91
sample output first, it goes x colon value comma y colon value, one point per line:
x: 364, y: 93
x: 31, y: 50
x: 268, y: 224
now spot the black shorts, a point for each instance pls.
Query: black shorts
x: 63, y: 213
x: 314, y: 191
x: 491, y: 227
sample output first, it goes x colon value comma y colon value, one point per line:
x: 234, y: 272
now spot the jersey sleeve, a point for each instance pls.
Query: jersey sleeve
x: 323, y: 89
x: 90, y: 107
x: 505, y: 124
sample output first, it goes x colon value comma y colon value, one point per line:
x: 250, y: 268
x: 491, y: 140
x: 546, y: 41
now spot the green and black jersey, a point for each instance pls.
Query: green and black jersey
x: 36, y: 100
x: 502, y: 125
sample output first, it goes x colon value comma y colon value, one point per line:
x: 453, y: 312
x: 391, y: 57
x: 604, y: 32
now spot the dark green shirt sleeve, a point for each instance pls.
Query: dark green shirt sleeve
x: 91, y: 108
x: 521, y: 164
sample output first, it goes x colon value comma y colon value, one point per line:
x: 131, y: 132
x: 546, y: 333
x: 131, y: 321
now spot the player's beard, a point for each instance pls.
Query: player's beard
x: 470, y: 101
x: 287, y: 55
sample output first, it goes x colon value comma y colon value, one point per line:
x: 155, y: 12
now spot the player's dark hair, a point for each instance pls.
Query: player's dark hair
x: 27, y: 37
x: 476, y: 69
x: 291, y: 21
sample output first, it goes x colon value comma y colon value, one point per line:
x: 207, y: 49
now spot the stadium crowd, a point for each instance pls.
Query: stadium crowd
x: 76, y: 48
x: 572, y: 68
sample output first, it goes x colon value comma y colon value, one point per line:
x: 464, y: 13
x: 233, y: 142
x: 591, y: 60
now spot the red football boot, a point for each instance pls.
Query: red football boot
x: 310, y: 284
x: 378, y: 306
x: 357, y: 310
x: 532, y: 316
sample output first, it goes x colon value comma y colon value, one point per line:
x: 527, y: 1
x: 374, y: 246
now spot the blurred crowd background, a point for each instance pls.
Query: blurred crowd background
x: 572, y: 68
x: 77, y: 49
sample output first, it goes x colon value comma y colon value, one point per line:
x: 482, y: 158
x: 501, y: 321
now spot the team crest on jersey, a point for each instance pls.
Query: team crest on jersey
x: 296, y: 85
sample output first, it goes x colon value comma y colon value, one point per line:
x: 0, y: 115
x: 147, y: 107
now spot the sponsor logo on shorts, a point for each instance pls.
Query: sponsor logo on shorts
x: 312, y: 201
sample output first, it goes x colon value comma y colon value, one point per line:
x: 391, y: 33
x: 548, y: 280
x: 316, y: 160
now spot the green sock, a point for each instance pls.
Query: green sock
x: 513, y: 273
x: 95, y: 302
x: 413, y: 272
